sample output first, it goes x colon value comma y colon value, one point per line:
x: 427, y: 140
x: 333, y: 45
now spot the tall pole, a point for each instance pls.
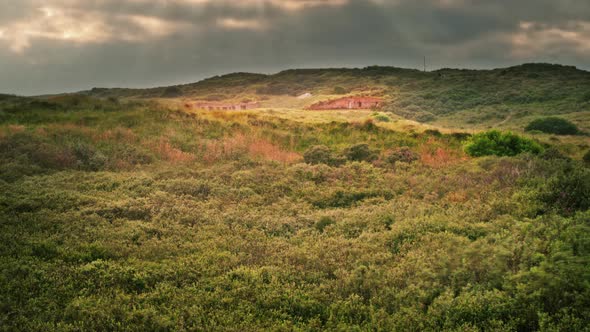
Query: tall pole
x: 425, y: 63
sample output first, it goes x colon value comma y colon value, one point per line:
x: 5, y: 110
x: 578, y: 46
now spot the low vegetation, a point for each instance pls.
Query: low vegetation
x: 511, y: 97
x: 127, y: 215
x: 496, y: 143
x: 553, y: 125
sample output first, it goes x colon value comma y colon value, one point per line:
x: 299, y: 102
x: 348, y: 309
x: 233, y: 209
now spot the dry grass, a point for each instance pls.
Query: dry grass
x: 258, y: 148
x: 266, y: 150
x: 436, y: 156
x: 167, y: 152
x: 14, y: 129
x: 117, y: 134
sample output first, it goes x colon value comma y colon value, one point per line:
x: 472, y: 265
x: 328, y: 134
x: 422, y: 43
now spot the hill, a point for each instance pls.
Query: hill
x: 507, y: 97
x: 121, y: 210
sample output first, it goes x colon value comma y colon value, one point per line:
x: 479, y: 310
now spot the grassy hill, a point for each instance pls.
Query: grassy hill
x: 121, y: 211
x: 447, y: 97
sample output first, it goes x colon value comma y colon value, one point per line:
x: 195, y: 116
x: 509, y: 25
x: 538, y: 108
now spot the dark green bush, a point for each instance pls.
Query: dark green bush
x: 360, y: 152
x: 498, y: 143
x: 553, y: 125
x: 380, y: 117
x: 88, y: 158
x: 343, y: 199
x: 461, y: 136
x: 433, y: 132
x: 191, y: 187
x: 320, y: 154
x: 586, y: 158
x: 553, y: 153
x: 403, y: 154
x: 569, y: 191
x: 323, y: 223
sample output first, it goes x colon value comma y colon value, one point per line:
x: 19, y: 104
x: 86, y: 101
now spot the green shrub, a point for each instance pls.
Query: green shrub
x: 360, y: 152
x: 569, y: 191
x: 344, y: 199
x: 553, y: 125
x: 586, y: 158
x: 191, y: 187
x: 553, y: 153
x: 433, y: 132
x: 323, y: 223
x: 403, y: 154
x: 461, y: 136
x: 320, y: 154
x: 88, y: 158
x: 498, y: 143
x: 380, y: 117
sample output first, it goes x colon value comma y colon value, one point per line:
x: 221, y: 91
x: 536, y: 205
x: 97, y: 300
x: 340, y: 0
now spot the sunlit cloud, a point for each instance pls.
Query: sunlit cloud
x: 80, y: 22
x: 292, y: 5
x: 284, y: 4
x: 535, y: 37
x: 303, y: 4
x: 153, y: 27
x: 54, y: 23
x: 241, y: 24
x: 83, y: 27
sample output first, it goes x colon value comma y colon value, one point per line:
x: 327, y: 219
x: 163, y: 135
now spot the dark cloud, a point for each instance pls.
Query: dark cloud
x: 71, y: 45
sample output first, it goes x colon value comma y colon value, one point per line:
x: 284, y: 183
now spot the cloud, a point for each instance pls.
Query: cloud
x: 537, y: 37
x: 80, y: 44
x: 232, y: 23
x: 82, y: 27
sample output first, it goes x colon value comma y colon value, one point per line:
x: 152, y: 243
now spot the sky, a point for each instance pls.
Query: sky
x: 52, y: 46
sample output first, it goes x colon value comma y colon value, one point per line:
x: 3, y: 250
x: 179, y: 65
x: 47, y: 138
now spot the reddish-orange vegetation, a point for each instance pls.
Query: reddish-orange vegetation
x: 41, y: 131
x: 348, y: 103
x: 168, y: 152
x: 434, y: 156
x: 232, y: 147
x: 266, y: 150
x: 119, y: 134
x: 438, y: 158
x: 13, y: 129
x: 459, y: 196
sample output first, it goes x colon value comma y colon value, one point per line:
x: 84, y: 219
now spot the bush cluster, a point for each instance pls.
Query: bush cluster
x: 321, y: 154
x: 403, y: 154
x: 360, y: 152
x: 568, y: 191
x: 553, y: 125
x: 498, y: 143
